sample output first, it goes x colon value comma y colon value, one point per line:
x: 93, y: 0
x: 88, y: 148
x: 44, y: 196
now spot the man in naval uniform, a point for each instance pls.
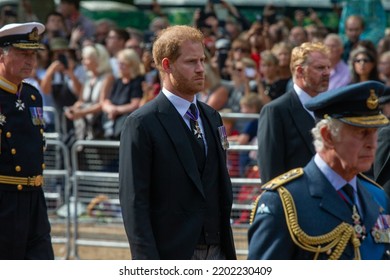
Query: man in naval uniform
x: 328, y: 209
x: 24, y: 223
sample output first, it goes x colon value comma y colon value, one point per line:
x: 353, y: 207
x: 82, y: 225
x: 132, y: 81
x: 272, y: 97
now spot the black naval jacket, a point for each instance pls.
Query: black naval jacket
x: 21, y: 135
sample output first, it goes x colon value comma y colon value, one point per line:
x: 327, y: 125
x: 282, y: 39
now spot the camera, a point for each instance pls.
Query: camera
x: 63, y: 59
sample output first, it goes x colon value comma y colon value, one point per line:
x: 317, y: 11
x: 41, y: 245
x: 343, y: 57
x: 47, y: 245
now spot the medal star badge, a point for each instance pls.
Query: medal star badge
x: 20, y: 105
x: 2, y: 119
x: 197, y: 131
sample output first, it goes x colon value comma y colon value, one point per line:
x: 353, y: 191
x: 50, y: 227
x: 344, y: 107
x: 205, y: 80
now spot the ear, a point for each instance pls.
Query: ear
x: 299, y: 70
x: 327, y: 137
x: 166, y: 65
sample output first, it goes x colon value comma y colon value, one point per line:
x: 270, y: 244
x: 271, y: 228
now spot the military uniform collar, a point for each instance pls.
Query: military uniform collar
x: 334, y: 179
x: 8, y: 86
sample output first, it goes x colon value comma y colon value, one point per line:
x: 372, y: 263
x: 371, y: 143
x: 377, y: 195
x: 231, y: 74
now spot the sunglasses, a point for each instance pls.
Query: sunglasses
x: 362, y: 60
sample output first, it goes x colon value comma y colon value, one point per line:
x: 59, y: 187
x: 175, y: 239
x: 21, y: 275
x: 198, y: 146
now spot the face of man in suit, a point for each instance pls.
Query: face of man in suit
x: 313, y: 77
x: 185, y: 76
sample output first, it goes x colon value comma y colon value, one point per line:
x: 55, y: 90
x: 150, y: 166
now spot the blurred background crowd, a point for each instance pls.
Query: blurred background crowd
x: 97, y: 70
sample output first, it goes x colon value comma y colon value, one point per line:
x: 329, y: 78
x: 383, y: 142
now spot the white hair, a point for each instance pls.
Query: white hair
x: 100, y: 54
x: 333, y: 125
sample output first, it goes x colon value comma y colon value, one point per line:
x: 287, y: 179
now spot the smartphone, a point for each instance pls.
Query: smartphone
x: 63, y: 59
x: 250, y: 72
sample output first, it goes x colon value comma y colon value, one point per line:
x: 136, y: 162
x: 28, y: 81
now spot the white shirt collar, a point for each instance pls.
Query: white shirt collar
x: 179, y: 103
x: 303, y: 98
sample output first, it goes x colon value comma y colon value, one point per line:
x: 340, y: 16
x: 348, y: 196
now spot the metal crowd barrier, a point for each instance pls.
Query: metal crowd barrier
x: 97, y: 220
x: 52, y: 113
x: 56, y: 190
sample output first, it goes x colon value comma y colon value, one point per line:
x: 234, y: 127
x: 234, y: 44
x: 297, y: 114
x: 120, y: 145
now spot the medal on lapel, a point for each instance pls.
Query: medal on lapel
x: 37, y: 116
x: 223, y: 137
x: 19, y: 103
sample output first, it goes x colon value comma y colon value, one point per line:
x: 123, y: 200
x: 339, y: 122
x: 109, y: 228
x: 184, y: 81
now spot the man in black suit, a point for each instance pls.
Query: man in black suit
x: 175, y: 191
x: 284, y: 139
x: 381, y: 167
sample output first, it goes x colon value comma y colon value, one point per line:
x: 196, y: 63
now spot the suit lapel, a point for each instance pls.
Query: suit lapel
x: 170, y: 120
x: 383, y: 173
x: 213, y: 121
x: 302, y: 119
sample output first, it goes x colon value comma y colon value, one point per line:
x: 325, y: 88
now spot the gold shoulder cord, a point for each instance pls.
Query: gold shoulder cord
x: 254, y: 209
x: 332, y: 243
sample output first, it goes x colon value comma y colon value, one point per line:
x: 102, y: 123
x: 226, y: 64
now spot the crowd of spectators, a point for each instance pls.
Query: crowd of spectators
x: 95, y: 73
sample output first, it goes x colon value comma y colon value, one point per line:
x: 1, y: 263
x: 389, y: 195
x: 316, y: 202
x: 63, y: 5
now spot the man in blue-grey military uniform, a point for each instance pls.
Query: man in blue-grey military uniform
x: 24, y: 223
x: 328, y: 209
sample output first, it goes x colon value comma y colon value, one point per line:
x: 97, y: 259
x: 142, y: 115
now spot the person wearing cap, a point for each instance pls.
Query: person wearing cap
x: 24, y: 221
x: 329, y: 209
x: 381, y: 167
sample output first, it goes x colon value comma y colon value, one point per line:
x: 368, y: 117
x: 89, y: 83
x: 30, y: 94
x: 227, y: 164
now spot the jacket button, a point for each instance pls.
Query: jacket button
x: 33, y: 97
x: 18, y: 168
x: 19, y: 187
x: 8, y: 135
x: 43, y: 166
x: 13, y: 151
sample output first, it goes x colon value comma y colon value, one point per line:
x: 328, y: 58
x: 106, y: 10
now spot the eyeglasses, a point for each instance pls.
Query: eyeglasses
x: 362, y: 60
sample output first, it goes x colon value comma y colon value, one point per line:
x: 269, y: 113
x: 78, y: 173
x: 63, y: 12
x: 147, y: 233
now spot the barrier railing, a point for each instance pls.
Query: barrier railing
x: 56, y: 189
x: 98, y: 220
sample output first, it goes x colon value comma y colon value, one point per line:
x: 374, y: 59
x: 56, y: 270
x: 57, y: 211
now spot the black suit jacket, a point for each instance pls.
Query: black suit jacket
x: 161, y: 193
x: 284, y: 137
x: 382, y: 159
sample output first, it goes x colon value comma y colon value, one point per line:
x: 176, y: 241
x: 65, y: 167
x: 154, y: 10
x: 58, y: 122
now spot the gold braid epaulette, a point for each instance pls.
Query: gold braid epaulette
x: 283, y: 179
x: 273, y: 184
x: 332, y: 243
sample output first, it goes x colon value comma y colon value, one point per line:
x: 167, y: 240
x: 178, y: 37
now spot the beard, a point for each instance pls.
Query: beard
x: 188, y: 85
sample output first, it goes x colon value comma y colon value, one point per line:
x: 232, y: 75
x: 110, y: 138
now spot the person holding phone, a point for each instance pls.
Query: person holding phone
x: 63, y: 78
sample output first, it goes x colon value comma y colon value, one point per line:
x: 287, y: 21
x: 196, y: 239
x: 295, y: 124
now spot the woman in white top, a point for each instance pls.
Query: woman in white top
x: 87, y: 111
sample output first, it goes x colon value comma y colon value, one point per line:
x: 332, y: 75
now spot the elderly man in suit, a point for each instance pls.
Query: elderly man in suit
x: 284, y: 140
x: 175, y: 190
